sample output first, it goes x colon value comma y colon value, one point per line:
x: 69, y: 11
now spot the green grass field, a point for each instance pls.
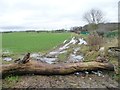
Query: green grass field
x: 20, y: 42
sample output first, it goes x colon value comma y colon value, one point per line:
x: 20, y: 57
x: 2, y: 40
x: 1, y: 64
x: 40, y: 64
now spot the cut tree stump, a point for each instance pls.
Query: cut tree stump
x: 36, y: 67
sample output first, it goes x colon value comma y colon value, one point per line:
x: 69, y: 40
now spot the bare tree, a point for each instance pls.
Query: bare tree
x: 94, y: 16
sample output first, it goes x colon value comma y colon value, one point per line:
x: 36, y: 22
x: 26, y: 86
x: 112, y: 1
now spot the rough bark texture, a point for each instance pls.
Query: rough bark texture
x: 34, y: 67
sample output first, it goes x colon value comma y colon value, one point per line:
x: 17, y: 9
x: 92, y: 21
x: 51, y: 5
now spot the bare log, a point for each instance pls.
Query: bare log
x: 36, y: 67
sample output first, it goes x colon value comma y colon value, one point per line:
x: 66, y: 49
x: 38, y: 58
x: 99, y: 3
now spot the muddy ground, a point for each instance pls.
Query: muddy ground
x: 67, y: 81
x: 77, y: 80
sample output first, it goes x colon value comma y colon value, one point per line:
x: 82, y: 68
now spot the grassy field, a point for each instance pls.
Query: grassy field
x: 42, y: 42
x: 31, y: 41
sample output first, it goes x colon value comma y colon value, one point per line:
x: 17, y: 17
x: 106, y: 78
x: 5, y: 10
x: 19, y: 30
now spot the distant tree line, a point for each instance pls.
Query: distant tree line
x: 39, y: 31
x: 101, y: 29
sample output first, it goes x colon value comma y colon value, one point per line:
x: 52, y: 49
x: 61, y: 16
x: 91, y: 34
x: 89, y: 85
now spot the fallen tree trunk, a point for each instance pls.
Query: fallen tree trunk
x: 34, y: 67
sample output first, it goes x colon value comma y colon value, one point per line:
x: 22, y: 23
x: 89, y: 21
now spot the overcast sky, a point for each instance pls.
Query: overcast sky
x: 51, y: 14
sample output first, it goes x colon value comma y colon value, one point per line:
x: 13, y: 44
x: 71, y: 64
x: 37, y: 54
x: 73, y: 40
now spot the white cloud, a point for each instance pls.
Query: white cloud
x: 52, y: 14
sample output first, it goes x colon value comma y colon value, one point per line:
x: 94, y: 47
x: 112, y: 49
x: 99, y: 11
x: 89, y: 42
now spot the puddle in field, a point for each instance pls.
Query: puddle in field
x: 76, y: 49
x: 64, y: 41
x: 66, y: 46
x: 82, y: 41
x: 74, y: 57
x: 7, y: 59
x: 62, y: 52
x: 48, y: 60
x: 53, y: 54
x: 35, y: 56
x: 73, y: 41
x: 51, y: 57
x: 42, y: 59
x: 98, y: 73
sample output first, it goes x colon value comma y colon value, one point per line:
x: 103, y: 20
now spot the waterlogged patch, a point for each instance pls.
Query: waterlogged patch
x: 76, y: 58
x: 7, y: 59
x: 73, y: 41
x: 66, y: 46
x: 54, y: 52
x: 98, y: 73
x: 82, y: 41
x: 52, y: 56
x: 76, y: 49
x: 63, y: 49
x: 64, y: 41
x: 47, y: 60
x: 34, y: 55
x: 63, y: 52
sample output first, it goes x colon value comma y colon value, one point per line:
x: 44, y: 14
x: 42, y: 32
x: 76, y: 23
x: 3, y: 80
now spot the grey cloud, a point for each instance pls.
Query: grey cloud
x: 52, y: 13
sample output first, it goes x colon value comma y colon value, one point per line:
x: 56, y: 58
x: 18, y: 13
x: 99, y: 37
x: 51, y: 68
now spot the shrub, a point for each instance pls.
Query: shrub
x: 94, y: 41
x: 101, y: 32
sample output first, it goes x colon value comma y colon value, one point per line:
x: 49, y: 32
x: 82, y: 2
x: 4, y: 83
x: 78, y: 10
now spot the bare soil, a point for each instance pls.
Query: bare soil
x: 67, y: 81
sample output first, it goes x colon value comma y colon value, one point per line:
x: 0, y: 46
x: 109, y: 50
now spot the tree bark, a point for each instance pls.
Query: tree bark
x: 36, y: 67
